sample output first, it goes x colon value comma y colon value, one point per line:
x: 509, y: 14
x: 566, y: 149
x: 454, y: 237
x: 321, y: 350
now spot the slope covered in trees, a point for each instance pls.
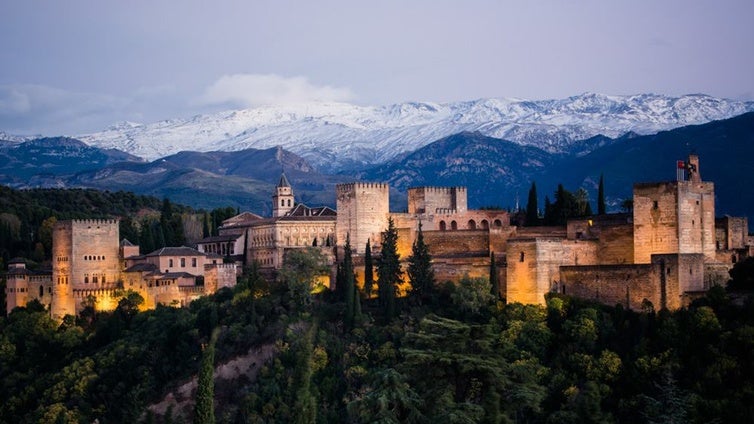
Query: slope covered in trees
x: 463, y: 358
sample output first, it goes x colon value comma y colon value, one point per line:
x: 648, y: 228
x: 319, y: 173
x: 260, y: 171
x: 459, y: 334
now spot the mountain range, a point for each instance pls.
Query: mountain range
x: 497, y: 172
x: 337, y: 137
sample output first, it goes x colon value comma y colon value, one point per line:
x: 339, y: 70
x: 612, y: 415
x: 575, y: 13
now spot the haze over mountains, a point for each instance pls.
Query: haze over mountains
x: 546, y: 148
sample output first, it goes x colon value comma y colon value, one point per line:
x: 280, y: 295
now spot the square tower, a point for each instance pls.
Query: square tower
x: 675, y: 217
x: 363, y: 210
x: 85, y: 256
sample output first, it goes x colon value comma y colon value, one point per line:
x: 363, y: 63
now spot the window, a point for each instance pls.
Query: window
x: 193, y: 262
x: 94, y: 279
x: 498, y: 223
x: 523, y: 255
x: 289, y: 202
x: 442, y: 226
x: 170, y: 262
x: 453, y: 225
x: 655, y: 205
x: 183, y: 262
x: 282, y: 202
x: 103, y: 278
x: 472, y: 224
x: 41, y: 291
x: 86, y: 279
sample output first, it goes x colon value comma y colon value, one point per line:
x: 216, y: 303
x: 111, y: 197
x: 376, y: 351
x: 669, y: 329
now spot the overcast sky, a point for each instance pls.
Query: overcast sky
x: 71, y: 67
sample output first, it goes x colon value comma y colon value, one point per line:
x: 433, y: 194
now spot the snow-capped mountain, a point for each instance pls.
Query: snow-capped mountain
x: 336, y: 136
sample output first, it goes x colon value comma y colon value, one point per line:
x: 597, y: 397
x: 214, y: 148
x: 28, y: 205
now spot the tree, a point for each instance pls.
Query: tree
x: 300, y: 270
x: 204, y: 409
x: 349, y: 282
x: 420, y: 272
x: 389, y: 269
x: 206, y: 231
x: 601, y: 210
x: 368, y: 271
x: 532, y: 208
x: 494, y: 283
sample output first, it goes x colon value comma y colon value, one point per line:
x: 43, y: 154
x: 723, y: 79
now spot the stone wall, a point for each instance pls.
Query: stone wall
x: 427, y: 200
x: 363, y: 213
x: 458, y: 243
x: 627, y: 285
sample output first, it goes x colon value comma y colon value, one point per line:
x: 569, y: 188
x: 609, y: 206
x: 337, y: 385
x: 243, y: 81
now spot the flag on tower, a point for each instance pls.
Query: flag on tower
x: 680, y: 170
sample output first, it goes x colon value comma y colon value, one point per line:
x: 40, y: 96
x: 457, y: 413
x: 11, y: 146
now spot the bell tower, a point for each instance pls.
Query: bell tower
x: 282, y: 200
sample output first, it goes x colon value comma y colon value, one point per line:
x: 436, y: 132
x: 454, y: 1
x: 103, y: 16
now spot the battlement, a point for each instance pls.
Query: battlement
x: 346, y: 187
x: 77, y: 222
x: 219, y: 266
x: 445, y: 211
x: 439, y: 189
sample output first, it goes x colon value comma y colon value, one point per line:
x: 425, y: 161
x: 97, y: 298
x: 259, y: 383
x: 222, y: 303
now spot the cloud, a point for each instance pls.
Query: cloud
x: 249, y: 90
x: 35, y: 109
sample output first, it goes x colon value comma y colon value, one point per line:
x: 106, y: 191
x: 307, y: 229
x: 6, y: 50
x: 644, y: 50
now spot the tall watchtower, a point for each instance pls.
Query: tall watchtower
x: 282, y: 200
x: 363, y: 210
x: 675, y: 217
x: 85, y: 256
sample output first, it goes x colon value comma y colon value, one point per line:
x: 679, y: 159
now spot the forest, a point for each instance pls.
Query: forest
x: 445, y: 352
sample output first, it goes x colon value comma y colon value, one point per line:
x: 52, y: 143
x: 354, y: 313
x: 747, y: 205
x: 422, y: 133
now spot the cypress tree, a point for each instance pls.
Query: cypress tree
x: 204, y: 409
x: 420, y: 273
x: 205, y: 226
x: 389, y: 269
x: 532, y: 208
x: 494, y: 284
x: 368, y: 271
x: 601, y: 210
x: 348, y: 282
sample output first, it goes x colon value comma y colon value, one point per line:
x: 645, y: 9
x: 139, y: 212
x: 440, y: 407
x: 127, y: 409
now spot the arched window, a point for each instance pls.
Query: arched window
x: 472, y: 224
x: 523, y: 256
x: 289, y: 203
x: 282, y: 202
x: 485, y: 225
x: 442, y: 226
x: 41, y: 291
x: 498, y: 223
x: 86, y: 279
x: 453, y: 225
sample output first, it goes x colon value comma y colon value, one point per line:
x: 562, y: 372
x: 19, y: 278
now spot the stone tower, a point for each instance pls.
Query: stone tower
x: 282, y: 200
x: 432, y: 200
x: 17, y: 285
x: 85, y: 258
x: 363, y: 210
x: 675, y: 217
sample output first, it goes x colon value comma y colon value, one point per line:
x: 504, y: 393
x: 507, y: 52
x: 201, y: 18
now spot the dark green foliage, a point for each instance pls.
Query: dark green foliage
x: 349, y: 283
x: 368, y: 271
x: 420, y: 273
x: 204, y: 407
x: 567, y: 205
x: 494, y: 283
x: 742, y: 275
x: 389, y: 272
x: 601, y: 209
x: 26, y: 216
x: 532, y: 207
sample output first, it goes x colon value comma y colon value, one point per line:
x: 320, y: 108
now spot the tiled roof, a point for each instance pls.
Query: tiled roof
x: 175, y: 251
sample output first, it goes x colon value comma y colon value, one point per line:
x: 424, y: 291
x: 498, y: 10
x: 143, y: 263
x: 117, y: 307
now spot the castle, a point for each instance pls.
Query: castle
x: 663, y: 254
x: 668, y: 250
x: 91, y: 266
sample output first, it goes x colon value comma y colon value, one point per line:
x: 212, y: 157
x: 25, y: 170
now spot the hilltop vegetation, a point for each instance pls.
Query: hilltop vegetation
x: 459, y: 357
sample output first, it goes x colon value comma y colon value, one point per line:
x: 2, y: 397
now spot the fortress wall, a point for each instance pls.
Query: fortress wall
x: 445, y: 243
x: 217, y: 276
x: 363, y: 213
x: 616, y: 245
x: 627, y: 285
x: 655, y: 220
x: 696, y: 218
x: 732, y: 232
x: 427, y: 200
x: 521, y: 273
x: 454, y: 269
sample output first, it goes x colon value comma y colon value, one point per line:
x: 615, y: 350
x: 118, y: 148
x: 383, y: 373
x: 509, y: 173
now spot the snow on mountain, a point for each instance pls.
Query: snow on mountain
x: 337, y: 136
x: 16, y: 138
